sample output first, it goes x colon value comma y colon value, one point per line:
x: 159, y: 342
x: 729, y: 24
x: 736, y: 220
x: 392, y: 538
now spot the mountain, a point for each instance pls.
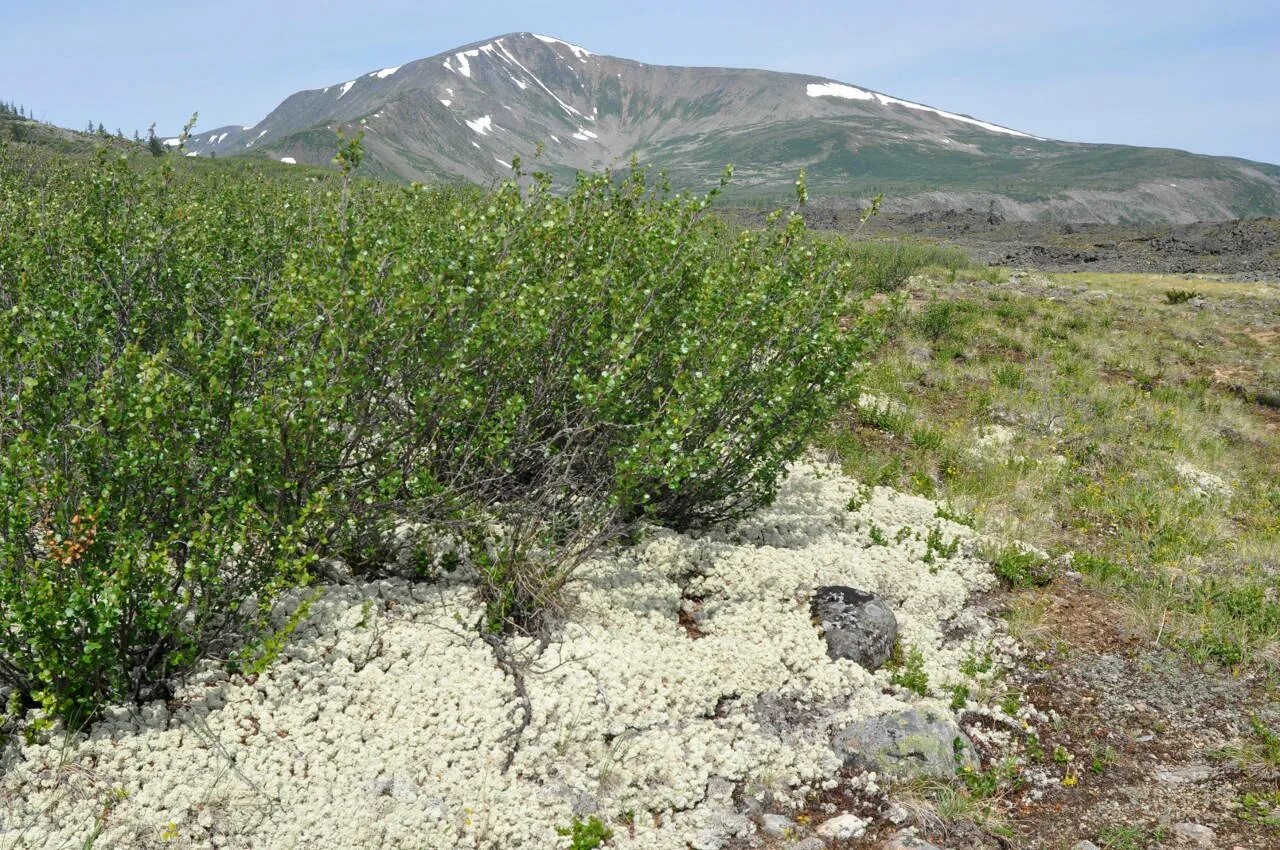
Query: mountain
x: 463, y: 115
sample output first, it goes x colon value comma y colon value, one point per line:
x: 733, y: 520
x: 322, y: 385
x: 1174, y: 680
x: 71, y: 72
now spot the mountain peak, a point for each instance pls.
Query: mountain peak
x: 466, y: 112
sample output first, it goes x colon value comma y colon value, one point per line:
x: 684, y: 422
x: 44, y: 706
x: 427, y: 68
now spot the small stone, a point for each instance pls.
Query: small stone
x: 1084, y: 845
x: 1194, y: 833
x: 1183, y: 775
x: 843, y: 827
x: 813, y: 842
x: 857, y: 625
x: 907, y: 840
x: 777, y: 825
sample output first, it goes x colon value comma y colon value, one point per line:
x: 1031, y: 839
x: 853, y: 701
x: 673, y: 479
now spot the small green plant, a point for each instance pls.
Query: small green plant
x: 585, y: 835
x: 1130, y: 837
x: 1034, y: 747
x: 948, y: 512
x: 1179, y: 296
x: 257, y: 658
x: 1101, y: 758
x: 1260, y: 807
x: 940, y: 320
x: 1018, y: 568
x: 1009, y: 375
x: 1258, y: 753
x: 859, y: 499
x: 1268, y: 741
x: 975, y: 665
x: 935, y: 546
x: 1061, y: 755
x: 1010, y: 703
x: 991, y: 782
x: 908, y: 670
x: 877, y: 536
x: 959, y: 697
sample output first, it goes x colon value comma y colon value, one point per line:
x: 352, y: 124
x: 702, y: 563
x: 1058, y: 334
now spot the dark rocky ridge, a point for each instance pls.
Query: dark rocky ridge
x: 1247, y: 249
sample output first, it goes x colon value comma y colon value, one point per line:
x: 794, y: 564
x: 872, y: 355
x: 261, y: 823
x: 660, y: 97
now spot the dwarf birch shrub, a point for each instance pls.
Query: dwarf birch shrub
x: 147, y: 492
x: 213, y: 376
x: 579, y: 363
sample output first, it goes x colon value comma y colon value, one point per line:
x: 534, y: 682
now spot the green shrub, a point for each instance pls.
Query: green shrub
x: 211, y: 376
x: 908, y: 670
x: 941, y: 320
x: 1019, y: 568
x: 146, y: 490
x: 885, y: 265
x: 580, y: 363
x: 1180, y: 296
x: 585, y: 835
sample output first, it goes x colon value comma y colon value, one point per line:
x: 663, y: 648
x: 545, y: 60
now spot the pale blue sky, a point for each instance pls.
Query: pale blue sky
x: 1199, y: 76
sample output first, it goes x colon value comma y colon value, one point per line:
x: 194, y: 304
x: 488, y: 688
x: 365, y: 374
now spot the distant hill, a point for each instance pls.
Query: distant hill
x: 463, y: 115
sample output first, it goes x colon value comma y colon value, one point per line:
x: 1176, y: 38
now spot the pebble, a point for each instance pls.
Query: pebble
x: 907, y: 840
x: 777, y: 825
x: 843, y: 827
x: 1195, y: 833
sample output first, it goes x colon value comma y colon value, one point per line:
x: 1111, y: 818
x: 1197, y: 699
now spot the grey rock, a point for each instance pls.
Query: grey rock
x: 907, y: 840
x: 1183, y: 775
x: 813, y: 842
x: 898, y: 814
x: 1194, y: 833
x: 1084, y: 845
x: 921, y: 356
x: 857, y: 625
x: 335, y: 570
x: 777, y: 825
x: 911, y: 743
x: 843, y: 827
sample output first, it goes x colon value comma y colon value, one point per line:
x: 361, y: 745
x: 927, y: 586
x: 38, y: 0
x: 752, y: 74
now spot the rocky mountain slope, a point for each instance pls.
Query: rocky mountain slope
x: 464, y: 114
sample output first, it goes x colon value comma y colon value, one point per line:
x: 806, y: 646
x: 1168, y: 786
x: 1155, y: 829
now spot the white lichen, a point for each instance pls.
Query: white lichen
x: 386, y: 722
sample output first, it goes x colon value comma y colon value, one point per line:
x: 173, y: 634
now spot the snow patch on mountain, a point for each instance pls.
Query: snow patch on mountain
x: 848, y: 92
x: 385, y: 72
x: 481, y: 125
x: 506, y: 54
x: 581, y: 52
x: 464, y: 67
x: 346, y: 87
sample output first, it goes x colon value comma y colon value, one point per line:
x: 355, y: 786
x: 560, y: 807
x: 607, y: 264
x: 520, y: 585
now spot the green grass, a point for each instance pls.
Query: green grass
x: 1114, y: 406
x: 1130, y: 837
